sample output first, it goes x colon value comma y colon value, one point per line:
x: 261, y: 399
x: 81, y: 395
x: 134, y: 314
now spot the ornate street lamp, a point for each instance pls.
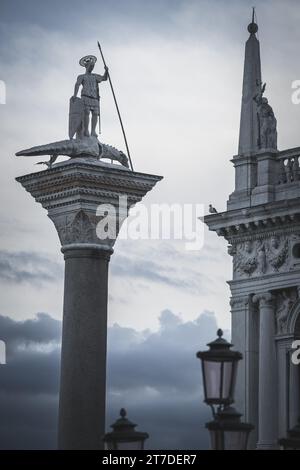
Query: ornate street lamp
x: 292, y: 442
x: 124, y: 436
x: 219, y: 369
x: 227, y: 431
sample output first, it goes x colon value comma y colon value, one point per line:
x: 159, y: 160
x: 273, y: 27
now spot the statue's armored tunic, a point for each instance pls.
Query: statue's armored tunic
x: 90, y: 92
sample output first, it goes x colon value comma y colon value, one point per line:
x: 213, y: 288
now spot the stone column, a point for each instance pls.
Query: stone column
x: 294, y: 389
x: 245, y: 339
x: 72, y: 192
x: 83, y: 356
x: 268, y: 384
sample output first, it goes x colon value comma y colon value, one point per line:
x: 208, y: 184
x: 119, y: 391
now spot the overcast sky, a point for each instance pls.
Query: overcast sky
x: 177, y: 69
x: 154, y: 375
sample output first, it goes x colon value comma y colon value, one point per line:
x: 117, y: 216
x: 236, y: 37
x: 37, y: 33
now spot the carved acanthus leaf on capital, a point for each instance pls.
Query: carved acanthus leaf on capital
x: 81, y: 228
x: 239, y: 303
x: 264, y: 299
x: 75, y: 227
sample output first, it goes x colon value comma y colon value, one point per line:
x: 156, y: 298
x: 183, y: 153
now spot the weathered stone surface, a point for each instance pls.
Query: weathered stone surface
x: 267, y: 123
x: 85, y: 147
x: 248, y: 139
x: 72, y: 192
x: 262, y: 227
x: 286, y: 299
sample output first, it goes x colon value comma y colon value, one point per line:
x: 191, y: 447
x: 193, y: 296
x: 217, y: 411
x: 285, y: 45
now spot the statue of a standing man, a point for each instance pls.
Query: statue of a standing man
x: 89, y: 93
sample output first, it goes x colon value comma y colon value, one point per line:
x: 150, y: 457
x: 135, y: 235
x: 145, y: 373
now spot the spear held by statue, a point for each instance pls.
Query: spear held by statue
x: 117, y: 107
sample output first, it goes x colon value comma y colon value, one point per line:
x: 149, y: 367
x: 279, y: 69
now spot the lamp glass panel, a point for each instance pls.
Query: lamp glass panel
x: 228, y: 371
x: 235, y: 440
x: 133, y: 445
x: 212, y: 371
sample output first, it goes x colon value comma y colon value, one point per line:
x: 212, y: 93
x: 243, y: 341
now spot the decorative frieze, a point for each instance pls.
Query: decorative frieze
x: 263, y: 256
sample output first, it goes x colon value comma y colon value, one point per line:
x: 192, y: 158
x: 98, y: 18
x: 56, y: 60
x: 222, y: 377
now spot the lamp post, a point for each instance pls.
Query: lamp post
x: 227, y: 431
x: 219, y: 370
x: 292, y: 441
x: 124, y: 436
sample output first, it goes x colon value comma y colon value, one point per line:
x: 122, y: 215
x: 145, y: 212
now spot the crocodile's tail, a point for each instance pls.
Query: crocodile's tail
x: 62, y: 147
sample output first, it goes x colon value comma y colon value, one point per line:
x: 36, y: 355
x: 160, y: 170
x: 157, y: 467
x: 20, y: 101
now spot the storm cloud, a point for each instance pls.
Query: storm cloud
x: 29, y: 382
x: 153, y: 374
x: 30, y: 267
x: 155, y: 272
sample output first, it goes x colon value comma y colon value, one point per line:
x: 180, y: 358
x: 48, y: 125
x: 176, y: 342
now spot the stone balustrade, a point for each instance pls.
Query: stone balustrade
x: 288, y: 169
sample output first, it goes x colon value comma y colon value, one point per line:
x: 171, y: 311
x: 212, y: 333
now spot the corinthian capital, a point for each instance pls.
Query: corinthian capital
x: 239, y: 303
x: 264, y: 299
x: 88, y: 202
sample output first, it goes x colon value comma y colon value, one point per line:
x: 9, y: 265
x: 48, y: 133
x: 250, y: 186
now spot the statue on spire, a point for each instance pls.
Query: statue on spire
x: 267, y: 123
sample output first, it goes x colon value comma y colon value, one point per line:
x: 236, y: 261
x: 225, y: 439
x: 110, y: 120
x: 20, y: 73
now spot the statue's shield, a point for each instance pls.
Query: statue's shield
x: 75, y: 116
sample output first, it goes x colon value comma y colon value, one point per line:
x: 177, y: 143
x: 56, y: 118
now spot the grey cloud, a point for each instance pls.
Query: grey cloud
x: 28, y: 421
x: 29, y: 267
x: 116, y: 13
x: 172, y: 422
x: 31, y: 372
x: 41, y: 329
x: 155, y: 375
x: 33, y: 348
x: 146, y: 269
x: 162, y: 272
x: 29, y: 382
x: 169, y: 263
x: 164, y: 360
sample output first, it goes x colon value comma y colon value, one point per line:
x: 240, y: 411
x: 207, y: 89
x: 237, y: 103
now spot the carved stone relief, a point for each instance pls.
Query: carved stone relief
x: 277, y: 252
x: 76, y: 228
x: 285, y: 300
x: 259, y: 257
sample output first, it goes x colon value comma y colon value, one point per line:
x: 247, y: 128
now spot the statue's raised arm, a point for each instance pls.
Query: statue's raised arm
x: 267, y: 123
x: 259, y: 95
x: 103, y: 78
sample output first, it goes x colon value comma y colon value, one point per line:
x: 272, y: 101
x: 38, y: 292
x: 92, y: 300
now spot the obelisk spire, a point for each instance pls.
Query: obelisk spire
x: 248, y: 140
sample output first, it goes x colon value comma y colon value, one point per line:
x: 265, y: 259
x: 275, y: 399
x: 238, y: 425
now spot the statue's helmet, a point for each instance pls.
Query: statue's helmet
x: 87, y: 59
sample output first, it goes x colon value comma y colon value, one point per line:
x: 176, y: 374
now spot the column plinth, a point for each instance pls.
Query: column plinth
x: 72, y: 192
